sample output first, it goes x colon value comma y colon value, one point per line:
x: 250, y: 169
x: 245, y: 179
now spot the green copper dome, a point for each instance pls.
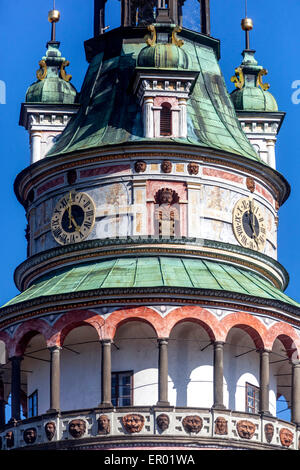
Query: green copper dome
x: 251, y: 93
x: 163, y: 55
x: 53, y: 84
x: 253, y: 99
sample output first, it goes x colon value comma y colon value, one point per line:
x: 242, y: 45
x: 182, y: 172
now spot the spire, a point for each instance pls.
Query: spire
x: 53, y: 18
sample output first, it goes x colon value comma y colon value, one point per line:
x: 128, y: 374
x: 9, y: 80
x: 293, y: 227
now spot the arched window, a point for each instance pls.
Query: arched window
x: 166, y: 119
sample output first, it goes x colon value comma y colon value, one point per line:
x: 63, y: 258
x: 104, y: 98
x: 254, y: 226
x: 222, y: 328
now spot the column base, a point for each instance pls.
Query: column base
x: 265, y: 414
x: 218, y: 406
x: 162, y: 403
x: 52, y: 411
x: 105, y: 405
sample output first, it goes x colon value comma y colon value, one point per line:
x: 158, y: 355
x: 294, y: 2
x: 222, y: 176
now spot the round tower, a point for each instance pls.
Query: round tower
x: 152, y: 309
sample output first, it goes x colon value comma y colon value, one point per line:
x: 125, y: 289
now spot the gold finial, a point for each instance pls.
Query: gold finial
x: 53, y: 16
x: 247, y: 24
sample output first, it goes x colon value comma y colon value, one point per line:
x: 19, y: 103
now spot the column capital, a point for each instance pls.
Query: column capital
x: 106, y: 341
x: 15, y: 358
x: 54, y: 348
x: 163, y: 340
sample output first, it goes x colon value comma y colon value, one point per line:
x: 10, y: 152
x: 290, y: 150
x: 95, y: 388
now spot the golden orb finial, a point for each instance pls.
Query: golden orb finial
x: 247, y: 24
x: 53, y: 16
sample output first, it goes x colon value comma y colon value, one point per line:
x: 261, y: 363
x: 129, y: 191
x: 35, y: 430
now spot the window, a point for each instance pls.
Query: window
x: 166, y: 119
x: 252, y: 398
x: 33, y: 404
x: 121, y: 388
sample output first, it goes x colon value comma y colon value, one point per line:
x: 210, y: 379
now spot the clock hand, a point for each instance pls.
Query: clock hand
x: 70, y: 211
x: 252, y: 220
x: 77, y: 228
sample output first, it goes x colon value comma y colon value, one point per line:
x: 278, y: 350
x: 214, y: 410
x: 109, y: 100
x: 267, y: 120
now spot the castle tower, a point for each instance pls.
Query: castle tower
x: 152, y: 309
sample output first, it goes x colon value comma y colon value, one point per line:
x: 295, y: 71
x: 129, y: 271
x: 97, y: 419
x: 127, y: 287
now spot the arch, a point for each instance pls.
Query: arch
x: 288, y: 337
x: 197, y: 315
x: 72, y: 320
x: 25, y: 332
x: 145, y: 314
x: 248, y: 323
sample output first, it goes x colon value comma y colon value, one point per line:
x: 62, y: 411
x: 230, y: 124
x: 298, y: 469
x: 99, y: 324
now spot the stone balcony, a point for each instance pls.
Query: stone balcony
x: 144, y: 428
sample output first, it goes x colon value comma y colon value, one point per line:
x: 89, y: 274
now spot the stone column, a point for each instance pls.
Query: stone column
x: 106, y: 374
x: 16, y: 387
x: 218, y: 375
x: 271, y: 153
x: 35, y: 146
x: 163, y: 372
x: 296, y: 393
x: 183, y: 117
x: 264, y: 382
x: 148, y: 117
x: 54, y: 379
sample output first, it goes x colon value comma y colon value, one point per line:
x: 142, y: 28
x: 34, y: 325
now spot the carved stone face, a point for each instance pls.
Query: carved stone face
x: 10, y: 439
x: 166, y: 166
x: 193, y: 168
x: 221, y: 426
x: 133, y: 422
x: 163, y: 421
x: 50, y: 430
x: 245, y: 429
x: 140, y: 166
x: 29, y: 435
x: 286, y: 437
x: 166, y: 196
x: 77, y: 428
x: 269, y: 432
x: 103, y: 425
x: 250, y: 183
x: 192, y: 424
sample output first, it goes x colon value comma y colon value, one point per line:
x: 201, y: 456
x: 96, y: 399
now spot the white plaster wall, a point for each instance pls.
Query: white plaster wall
x: 190, y: 369
x: 138, y: 351
x: 37, y: 372
x: 81, y: 373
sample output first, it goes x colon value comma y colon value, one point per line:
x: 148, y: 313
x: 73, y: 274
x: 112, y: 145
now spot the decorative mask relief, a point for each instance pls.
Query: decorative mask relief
x: 163, y: 422
x: 103, y: 424
x: 133, y: 423
x: 221, y: 426
x: 192, y: 424
x: 250, y: 183
x: 140, y: 166
x: 286, y: 437
x: 30, y: 435
x: 193, y: 168
x: 166, y: 214
x: 77, y: 428
x: 50, y: 429
x: 166, y: 166
x: 246, y: 429
x: 269, y: 432
x: 10, y: 439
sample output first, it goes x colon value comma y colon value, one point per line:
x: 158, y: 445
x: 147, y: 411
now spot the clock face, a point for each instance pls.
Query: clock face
x: 249, y: 224
x: 73, y: 218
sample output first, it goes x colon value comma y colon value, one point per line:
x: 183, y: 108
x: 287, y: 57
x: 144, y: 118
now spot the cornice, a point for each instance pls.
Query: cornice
x: 94, y: 250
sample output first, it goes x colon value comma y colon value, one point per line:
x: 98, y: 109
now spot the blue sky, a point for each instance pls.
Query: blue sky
x: 24, y: 32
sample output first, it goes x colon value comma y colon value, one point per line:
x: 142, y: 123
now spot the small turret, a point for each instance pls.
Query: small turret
x: 255, y: 106
x: 51, y: 100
